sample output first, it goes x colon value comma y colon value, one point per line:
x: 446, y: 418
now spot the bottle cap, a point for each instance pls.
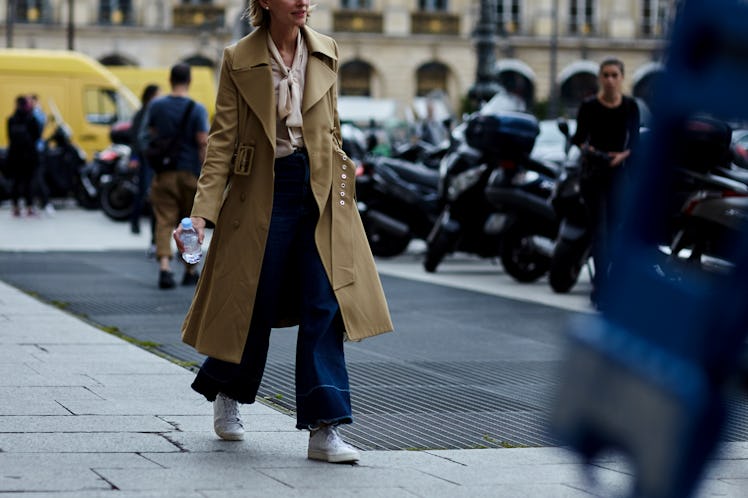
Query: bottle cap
x: 186, y: 223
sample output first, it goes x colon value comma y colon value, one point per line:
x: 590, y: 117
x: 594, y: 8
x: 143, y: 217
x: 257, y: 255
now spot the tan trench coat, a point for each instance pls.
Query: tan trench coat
x: 235, y: 194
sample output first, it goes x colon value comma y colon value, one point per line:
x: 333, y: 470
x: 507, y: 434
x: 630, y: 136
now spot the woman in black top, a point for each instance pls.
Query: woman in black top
x: 607, y: 131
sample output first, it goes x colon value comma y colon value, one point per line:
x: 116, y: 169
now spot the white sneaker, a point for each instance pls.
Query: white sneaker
x: 326, y: 444
x: 49, y: 210
x: 226, y: 420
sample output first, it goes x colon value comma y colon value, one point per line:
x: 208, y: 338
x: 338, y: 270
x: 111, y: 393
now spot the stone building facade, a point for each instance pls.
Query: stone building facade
x: 395, y: 49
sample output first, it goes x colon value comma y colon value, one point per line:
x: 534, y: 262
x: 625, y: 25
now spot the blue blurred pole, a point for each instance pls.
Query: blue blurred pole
x: 648, y: 376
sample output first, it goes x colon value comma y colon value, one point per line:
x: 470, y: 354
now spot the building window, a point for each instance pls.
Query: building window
x: 355, y: 79
x: 508, y: 16
x: 115, y: 12
x: 431, y: 77
x: 432, y: 5
x: 32, y: 11
x: 655, y: 17
x: 575, y: 89
x: 356, y: 4
x: 582, y: 17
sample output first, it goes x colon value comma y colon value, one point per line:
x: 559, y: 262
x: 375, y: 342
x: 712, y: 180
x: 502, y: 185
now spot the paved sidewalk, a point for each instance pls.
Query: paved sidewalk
x: 84, y: 413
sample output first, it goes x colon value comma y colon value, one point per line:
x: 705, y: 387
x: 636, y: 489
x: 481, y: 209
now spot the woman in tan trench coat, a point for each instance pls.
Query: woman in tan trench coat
x: 288, y: 246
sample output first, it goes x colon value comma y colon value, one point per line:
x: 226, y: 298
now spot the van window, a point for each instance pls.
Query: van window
x: 99, y: 106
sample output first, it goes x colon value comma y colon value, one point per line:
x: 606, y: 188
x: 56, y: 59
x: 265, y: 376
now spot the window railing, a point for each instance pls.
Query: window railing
x: 357, y: 21
x: 195, y: 15
x: 434, y: 23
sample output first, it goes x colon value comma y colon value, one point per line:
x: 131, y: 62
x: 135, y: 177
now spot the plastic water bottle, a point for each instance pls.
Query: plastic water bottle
x: 192, y: 250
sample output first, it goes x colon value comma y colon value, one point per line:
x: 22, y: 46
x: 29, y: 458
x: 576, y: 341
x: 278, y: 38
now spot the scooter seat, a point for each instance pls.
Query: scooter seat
x: 413, y: 172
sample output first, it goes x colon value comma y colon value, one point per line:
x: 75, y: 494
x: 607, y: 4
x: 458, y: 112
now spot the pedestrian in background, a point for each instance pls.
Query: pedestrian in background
x: 23, y: 157
x: 39, y: 184
x: 609, y: 123
x: 138, y: 161
x: 288, y: 247
x: 173, y: 190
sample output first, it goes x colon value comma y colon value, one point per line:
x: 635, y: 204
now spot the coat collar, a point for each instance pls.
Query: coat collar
x: 251, y: 70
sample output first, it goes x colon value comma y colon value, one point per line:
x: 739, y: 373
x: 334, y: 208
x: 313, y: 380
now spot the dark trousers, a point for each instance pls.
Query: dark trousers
x: 21, y: 187
x: 322, y: 389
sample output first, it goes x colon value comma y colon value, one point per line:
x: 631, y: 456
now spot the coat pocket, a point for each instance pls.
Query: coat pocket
x: 243, y: 158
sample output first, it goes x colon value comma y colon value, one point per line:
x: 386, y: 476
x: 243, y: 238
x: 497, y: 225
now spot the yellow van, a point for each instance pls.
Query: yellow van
x: 202, y: 88
x: 89, y: 98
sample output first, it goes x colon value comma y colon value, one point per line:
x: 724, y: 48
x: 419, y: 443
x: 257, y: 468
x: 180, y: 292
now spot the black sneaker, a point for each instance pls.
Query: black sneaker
x: 190, y: 278
x: 166, y: 280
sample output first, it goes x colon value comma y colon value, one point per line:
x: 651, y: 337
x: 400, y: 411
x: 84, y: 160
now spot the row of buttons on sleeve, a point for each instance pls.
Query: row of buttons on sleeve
x: 343, y: 176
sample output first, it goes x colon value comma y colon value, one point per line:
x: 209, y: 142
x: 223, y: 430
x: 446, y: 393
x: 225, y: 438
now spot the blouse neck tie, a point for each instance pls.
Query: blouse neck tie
x: 289, y: 91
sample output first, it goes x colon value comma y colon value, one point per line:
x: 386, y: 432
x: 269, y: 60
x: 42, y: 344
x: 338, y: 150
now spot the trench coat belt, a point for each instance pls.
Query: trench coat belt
x: 344, y: 210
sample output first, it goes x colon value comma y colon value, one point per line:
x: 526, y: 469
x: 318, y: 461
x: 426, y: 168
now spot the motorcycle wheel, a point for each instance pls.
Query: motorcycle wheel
x: 117, y: 200
x: 385, y: 245
x: 82, y: 198
x: 566, y: 265
x: 519, y: 257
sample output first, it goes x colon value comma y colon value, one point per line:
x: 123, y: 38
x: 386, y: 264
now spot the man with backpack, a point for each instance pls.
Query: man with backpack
x: 23, y: 157
x: 173, y: 136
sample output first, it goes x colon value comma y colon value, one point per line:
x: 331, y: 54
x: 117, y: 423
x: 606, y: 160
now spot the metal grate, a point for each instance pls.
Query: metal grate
x: 403, y: 397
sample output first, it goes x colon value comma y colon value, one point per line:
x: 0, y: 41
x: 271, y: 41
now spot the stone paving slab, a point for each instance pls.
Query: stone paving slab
x: 252, y: 422
x: 99, y: 442
x: 265, y: 446
x: 110, y: 493
x: 85, y: 423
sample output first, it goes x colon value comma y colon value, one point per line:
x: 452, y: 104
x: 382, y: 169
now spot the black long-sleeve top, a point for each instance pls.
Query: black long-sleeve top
x: 608, y: 129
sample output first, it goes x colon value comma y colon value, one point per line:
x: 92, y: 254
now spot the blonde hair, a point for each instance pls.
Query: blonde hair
x: 257, y: 16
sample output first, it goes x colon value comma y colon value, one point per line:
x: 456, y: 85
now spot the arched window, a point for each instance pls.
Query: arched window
x: 518, y: 84
x: 431, y: 77
x: 117, y: 60
x: 575, y: 89
x: 355, y: 79
x: 644, y: 88
x: 199, y: 60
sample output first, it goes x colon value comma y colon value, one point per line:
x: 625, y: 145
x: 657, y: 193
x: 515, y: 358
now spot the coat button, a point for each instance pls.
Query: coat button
x: 342, y: 194
x: 242, y: 196
x: 342, y: 202
x: 236, y: 223
x: 344, y: 166
x: 342, y: 185
x: 344, y: 176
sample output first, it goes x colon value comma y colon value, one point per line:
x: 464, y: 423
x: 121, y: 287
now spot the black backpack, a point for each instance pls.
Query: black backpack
x: 161, y: 152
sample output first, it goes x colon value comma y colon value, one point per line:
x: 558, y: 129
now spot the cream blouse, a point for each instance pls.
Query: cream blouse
x: 288, y: 84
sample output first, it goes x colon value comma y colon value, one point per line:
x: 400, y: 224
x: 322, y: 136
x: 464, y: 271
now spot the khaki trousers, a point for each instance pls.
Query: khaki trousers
x: 172, y: 195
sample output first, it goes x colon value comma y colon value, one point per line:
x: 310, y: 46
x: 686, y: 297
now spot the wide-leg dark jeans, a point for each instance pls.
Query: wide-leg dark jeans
x: 322, y: 388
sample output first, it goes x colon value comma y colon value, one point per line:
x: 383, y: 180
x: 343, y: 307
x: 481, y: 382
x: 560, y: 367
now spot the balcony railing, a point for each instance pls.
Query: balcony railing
x: 434, y: 23
x: 357, y: 21
x: 196, y: 15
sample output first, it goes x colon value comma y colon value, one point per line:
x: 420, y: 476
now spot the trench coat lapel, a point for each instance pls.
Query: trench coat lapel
x: 319, y: 76
x: 253, y: 76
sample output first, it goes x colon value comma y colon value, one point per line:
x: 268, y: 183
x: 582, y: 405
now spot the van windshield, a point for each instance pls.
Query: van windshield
x: 105, y: 107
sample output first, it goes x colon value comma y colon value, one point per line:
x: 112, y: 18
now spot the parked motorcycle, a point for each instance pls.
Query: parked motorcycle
x: 488, y: 141
x: 64, y: 164
x: 520, y: 190
x: 118, y: 187
x: 397, y: 201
